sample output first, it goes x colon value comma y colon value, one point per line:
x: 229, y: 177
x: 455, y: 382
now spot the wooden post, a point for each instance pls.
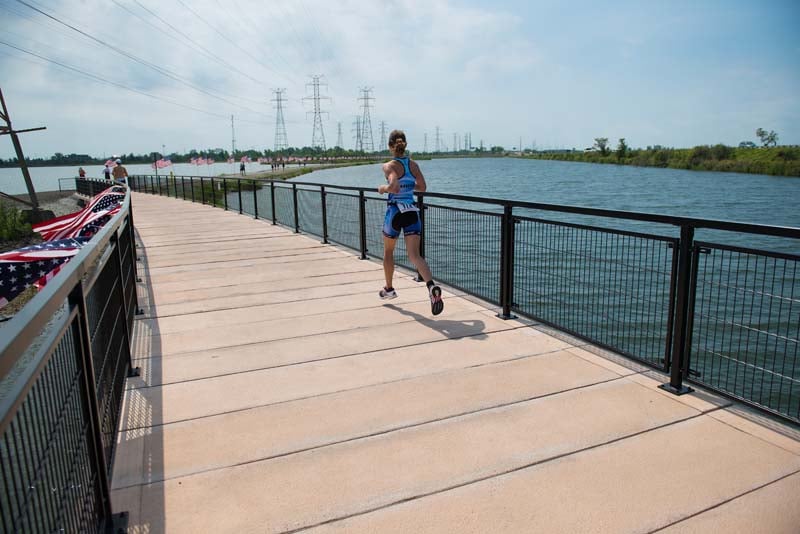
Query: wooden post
x: 8, y: 129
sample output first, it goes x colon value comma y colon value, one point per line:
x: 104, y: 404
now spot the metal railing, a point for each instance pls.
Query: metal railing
x: 725, y: 317
x: 64, y: 358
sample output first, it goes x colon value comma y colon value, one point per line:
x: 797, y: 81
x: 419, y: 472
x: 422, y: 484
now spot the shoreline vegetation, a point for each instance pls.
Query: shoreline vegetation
x: 769, y: 160
x: 775, y: 161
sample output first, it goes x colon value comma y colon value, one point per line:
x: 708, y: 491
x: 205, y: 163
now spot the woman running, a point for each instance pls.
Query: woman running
x: 403, y: 177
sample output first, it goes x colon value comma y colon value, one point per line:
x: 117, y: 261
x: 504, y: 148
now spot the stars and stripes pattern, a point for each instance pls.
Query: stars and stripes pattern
x: 84, y: 223
x: 34, y: 265
x: 64, y: 236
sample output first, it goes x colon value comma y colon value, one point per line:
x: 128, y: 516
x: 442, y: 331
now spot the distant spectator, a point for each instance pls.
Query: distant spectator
x: 107, y: 172
x: 241, y: 168
x: 81, y: 172
x: 120, y: 173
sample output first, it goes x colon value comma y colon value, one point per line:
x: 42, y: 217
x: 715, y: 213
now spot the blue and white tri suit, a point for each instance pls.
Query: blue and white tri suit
x: 401, y: 213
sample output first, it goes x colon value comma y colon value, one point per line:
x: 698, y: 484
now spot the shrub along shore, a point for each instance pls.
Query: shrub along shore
x: 776, y: 161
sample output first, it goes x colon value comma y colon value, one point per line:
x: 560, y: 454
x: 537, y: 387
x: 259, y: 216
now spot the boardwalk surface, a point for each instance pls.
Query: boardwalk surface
x: 278, y: 393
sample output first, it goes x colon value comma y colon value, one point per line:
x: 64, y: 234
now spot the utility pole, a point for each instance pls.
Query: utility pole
x: 281, y: 142
x: 366, y: 124
x: 233, y: 140
x: 318, y: 135
x: 23, y: 165
x: 339, y: 135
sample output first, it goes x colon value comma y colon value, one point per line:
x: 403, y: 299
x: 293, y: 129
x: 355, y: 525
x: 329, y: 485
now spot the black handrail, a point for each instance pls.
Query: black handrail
x: 677, y: 285
x: 46, y: 340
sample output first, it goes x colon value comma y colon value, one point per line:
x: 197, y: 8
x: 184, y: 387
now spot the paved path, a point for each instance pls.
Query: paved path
x: 278, y: 393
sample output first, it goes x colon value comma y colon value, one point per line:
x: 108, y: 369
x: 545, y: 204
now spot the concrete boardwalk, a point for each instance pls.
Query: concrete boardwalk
x: 278, y: 394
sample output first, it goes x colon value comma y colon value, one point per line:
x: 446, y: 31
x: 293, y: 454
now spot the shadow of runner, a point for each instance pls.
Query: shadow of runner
x: 473, y: 328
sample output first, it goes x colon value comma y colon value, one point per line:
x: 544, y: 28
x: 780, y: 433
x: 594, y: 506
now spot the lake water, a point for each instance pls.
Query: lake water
x: 751, y: 198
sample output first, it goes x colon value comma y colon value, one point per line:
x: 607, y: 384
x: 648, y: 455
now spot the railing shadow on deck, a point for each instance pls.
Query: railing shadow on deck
x: 142, y: 417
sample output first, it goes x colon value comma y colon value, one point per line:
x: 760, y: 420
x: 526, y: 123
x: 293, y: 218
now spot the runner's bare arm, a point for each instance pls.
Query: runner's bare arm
x: 392, y: 176
x: 421, y: 186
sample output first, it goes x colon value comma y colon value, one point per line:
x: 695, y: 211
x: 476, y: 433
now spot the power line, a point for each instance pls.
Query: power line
x: 275, y: 51
x: 197, y: 46
x: 136, y: 58
x: 191, y: 43
x: 204, y: 21
x: 112, y: 83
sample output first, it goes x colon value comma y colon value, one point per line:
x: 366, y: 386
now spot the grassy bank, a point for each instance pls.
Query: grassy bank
x: 776, y: 161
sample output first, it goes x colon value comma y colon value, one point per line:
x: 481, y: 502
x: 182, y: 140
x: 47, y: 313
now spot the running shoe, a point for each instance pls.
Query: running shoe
x: 387, y: 294
x: 437, y: 304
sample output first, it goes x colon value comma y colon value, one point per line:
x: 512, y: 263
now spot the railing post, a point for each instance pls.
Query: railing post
x: 132, y: 230
x: 202, y: 192
x: 272, y: 201
x: 132, y: 371
x: 507, y: 262
x: 362, y: 222
x: 421, y: 206
x: 91, y: 412
x: 324, y: 203
x: 296, y: 210
x: 213, y: 194
x: 679, y: 366
x: 225, y: 193
x: 255, y: 200
x: 239, y: 185
x: 159, y: 185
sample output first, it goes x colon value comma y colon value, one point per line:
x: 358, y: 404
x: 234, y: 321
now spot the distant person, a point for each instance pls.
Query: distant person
x: 120, y: 173
x: 107, y: 172
x: 241, y: 168
x: 403, y: 177
x: 81, y: 172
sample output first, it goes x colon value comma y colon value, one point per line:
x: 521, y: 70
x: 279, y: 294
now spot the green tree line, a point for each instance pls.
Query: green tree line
x: 746, y: 158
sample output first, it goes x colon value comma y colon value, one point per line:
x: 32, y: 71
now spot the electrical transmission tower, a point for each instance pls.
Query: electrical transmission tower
x: 384, y: 140
x: 425, y: 145
x: 281, y: 142
x: 437, y: 140
x: 233, y: 140
x: 366, y: 124
x: 455, y: 142
x: 339, y: 135
x: 359, y: 146
x: 318, y: 135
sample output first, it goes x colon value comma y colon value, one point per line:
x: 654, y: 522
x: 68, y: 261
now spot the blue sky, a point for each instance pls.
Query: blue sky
x: 553, y: 74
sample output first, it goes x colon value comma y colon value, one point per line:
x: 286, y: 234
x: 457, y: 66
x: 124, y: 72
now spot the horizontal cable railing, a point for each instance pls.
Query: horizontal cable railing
x: 715, y: 315
x: 64, y: 358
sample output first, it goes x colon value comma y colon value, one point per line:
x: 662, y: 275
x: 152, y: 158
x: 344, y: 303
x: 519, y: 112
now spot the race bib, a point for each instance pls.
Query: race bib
x: 404, y: 207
